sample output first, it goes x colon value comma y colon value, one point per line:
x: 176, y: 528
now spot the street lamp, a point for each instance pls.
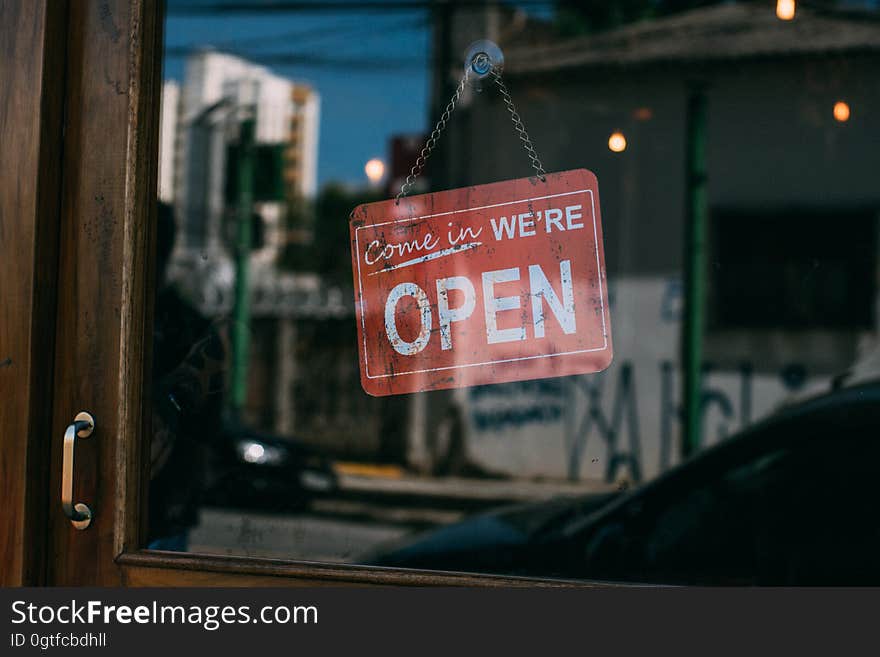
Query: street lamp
x: 841, y: 111
x: 375, y: 170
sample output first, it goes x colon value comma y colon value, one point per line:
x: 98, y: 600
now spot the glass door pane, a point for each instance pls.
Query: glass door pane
x: 737, y: 167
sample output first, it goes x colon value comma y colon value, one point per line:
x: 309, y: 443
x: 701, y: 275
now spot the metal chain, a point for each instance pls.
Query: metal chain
x: 520, y: 128
x: 432, y: 140
x: 441, y: 124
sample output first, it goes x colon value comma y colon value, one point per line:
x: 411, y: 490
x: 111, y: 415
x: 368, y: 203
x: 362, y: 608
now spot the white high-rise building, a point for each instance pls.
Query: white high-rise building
x: 169, y: 120
x: 217, y: 88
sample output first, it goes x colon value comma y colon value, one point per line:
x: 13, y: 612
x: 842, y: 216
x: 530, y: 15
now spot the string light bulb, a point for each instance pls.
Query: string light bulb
x: 617, y: 142
x: 841, y: 111
x: 785, y: 9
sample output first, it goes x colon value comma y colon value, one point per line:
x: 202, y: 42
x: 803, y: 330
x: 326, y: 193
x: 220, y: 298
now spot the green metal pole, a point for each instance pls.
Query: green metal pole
x: 241, y: 310
x: 694, y: 271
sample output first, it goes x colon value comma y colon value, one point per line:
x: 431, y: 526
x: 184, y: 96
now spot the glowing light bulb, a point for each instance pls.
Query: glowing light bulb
x: 785, y: 9
x: 375, y: 169
x: 617, y: 142
x: 841, y: 111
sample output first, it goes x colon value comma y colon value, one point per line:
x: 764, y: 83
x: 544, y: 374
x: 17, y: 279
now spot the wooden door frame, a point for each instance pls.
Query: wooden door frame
x: 104, y: 316
x: 31, y: 105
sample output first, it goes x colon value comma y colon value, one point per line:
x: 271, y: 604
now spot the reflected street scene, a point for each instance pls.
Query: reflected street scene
x: 732, y: 440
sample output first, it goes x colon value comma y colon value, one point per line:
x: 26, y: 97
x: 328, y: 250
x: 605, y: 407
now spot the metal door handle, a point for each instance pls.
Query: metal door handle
x: 80, y: 514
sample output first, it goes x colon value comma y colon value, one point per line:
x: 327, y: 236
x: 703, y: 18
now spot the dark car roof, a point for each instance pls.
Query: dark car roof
x: 486, y: 540
x: 846, y: 408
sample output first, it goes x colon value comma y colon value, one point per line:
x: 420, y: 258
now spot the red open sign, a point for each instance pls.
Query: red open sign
x: 485, y: 284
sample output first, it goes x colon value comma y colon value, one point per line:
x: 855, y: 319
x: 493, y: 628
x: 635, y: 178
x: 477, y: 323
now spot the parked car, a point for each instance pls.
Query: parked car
x: 792, y: 500
x: 252, y: 468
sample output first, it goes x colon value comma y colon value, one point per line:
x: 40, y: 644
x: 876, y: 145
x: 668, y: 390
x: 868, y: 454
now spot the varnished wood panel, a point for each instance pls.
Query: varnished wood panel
x: 31, y: 85
x: 108, y: 203
x: 149, y: 568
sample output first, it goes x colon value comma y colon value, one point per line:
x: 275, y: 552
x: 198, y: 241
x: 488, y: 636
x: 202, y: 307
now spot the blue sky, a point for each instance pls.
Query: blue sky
x: 361, y: 107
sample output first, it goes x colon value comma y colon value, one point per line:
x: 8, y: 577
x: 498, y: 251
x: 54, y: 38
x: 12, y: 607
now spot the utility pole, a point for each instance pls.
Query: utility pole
x: 439, y: 169
x: 244, y: 172
x: 694, y: 271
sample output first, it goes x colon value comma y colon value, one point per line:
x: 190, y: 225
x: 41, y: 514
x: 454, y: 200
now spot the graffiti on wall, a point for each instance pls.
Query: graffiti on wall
x: 607, y: 409
x: 624, y: 422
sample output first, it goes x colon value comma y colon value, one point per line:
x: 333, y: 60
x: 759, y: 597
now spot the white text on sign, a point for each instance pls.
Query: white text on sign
x: 540, y: 291
x: 526, y: 222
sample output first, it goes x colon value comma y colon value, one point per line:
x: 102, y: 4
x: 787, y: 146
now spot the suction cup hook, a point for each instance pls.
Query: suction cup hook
x: 482, y: 57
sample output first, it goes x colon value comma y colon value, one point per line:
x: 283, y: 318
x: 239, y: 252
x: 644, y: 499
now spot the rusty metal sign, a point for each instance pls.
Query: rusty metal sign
x: 485, y: 284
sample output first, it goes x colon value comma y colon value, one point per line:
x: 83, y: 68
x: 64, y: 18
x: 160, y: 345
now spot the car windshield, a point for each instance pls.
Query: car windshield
x: 439, y: 281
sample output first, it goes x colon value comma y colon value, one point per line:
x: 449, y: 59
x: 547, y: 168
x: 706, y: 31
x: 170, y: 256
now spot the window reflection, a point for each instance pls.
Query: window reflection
x: 274, y: 127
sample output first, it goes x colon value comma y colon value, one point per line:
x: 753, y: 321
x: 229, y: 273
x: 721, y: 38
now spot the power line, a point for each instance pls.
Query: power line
x: 284, y: 58
x: 306, y: 35
x: 284, y: 6
x: 317, y: 61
